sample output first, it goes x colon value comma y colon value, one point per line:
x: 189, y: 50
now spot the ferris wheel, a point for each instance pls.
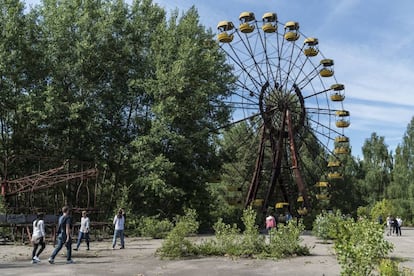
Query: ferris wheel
x: 286, y: 89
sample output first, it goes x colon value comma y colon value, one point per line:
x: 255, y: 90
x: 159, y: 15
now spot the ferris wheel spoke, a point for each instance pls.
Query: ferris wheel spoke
x: 255, y: 64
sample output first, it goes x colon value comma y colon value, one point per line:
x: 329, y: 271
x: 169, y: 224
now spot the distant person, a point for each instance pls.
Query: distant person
x: 270, y: 222
x: 395, y: 226
x: 83, y: 231
x: 288, y: 217
x: 380, y: 222
x: 38, y: 238
x: 399, y: 224
x: 389, y: 225
x: 64, y: 236
x: 119, y: 223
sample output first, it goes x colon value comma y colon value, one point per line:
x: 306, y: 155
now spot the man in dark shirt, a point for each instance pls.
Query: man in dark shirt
x: 64, y: 236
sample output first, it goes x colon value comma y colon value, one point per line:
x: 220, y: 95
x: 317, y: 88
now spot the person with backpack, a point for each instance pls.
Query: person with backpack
x: 38, y: 238
x: 119, y: 223
x: 64, y: 236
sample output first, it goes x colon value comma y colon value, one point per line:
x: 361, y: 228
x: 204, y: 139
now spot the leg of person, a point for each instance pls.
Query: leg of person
x: 35, y: 246
x: 121, y: 233
x: 43, y: 246
x: 57, y: 249
x: 87, y: 240
x: 114, y: 239
x: 80, y: 236
x: 69, y: 251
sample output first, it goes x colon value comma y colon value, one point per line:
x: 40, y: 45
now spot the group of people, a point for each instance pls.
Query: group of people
x: 64, y: 234
x: 394, y: 225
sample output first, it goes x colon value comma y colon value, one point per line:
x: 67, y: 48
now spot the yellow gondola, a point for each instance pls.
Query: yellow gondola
x: 258, y: 202
x: 246, y: 19
x: 291, y: 33
x: 269, y: 22
x: 224, y: 27
x: 311, y: 47
x: 281, y: 205
x: 334, y: 164
x: 335, y: 175
x: 342, y: 123
x: 341, y: 139
x: 323, y: 196
x: 337, y: 95
x: 302, y: 211
x: 322, y: 184
x: 327, y: 69
x: 341, y: 150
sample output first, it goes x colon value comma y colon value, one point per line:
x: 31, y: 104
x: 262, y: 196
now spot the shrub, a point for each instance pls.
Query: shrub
x: 285, y: 241
x: 176, y: 245
x: 388, y: 267
x: 326, y: 225
x: 252, y: 242
x: 360, y: 246
x: 230, y: 241
x: 154, y: 228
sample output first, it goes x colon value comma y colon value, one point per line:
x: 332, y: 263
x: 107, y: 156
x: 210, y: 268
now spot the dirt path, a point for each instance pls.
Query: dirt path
x: 138, y: 259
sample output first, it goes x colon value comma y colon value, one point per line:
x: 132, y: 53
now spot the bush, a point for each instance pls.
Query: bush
x: 360, y: 246
x: 326, y: 225
x: 176, y: 245
x: 230, y: 241
x: 154, y: 228
x: 285, y: 241
x: 388, y: 267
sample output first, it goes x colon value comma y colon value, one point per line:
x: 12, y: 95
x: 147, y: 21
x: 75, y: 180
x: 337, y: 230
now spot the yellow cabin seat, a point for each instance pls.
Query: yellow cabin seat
x: 291, y: 33
x: 311, y: 48
x: 269, y: 22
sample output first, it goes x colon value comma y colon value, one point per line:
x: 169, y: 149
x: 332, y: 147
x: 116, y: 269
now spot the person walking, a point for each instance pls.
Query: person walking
x: 64, y: 236
x: 399, y: 224
x: 38, y: 238
x: 389, y: 225
x: 119, y: 223
x: 83, y: 231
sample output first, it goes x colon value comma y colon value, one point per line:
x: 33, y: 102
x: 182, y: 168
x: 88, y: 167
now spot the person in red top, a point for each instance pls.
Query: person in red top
x: 270, y: 222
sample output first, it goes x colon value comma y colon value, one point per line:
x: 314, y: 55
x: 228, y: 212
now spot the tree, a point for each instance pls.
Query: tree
x: 377, y: 166
x: 189, y: 82
x: 401, y: 189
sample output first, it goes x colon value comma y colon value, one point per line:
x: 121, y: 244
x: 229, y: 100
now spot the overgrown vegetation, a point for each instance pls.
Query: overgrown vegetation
x: 231, y: 241
x: 176, y: 243
x: 359, y: 245
x: 154, y: 227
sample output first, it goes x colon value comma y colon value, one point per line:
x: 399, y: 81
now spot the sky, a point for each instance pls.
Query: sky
x: 371, y: 42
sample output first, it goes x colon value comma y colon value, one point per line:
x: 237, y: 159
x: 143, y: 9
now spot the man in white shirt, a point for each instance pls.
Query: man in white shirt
x: 119, y: 223
x: 83, y: 231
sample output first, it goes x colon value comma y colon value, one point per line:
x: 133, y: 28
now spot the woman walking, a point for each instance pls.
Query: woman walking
x: 38, y: 238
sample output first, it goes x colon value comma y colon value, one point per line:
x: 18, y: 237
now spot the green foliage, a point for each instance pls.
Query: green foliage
x: 382, y: 209
x: 252, y: 242
x: 388, y: 267
x: 3, y: 207
x: 154, y: 227
x: 363, y: 212
x: 176, y: 245
x: 325, y: 225
x: 360, y: 246
x: 230, y: 241
x: 285, y: 241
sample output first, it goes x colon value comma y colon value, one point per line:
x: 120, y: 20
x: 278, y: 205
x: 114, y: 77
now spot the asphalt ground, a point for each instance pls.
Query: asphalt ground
x: 138, y: 259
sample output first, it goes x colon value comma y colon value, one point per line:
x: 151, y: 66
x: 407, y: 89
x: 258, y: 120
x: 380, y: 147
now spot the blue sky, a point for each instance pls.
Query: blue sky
x: 371, y: 42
